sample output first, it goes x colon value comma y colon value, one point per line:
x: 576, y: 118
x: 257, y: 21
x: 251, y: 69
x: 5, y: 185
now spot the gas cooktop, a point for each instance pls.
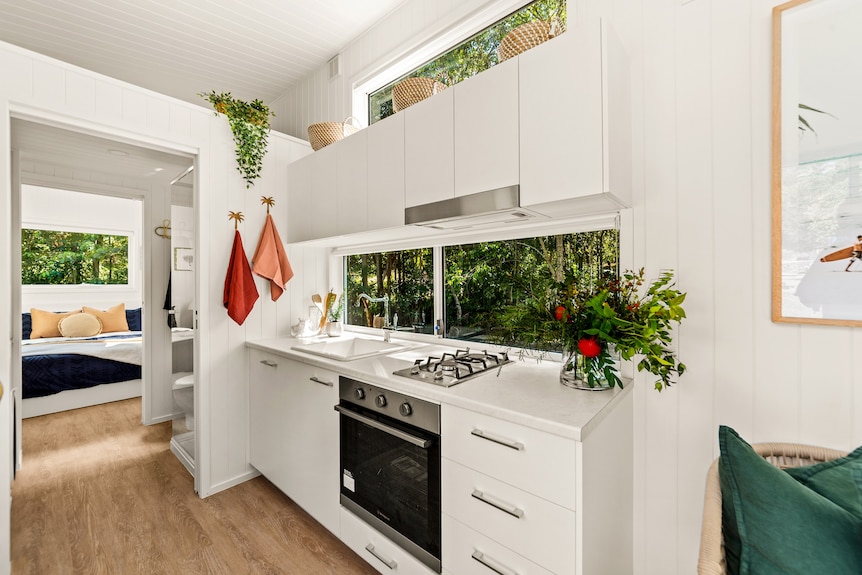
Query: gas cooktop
x: 452, y: 368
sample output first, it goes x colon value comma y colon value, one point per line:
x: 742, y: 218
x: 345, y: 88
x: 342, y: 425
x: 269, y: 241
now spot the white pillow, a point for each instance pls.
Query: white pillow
x: 80, y: 325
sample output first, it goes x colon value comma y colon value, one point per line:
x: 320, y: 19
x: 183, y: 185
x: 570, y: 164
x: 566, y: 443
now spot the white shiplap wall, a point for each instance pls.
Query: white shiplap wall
x: 701, y: 121
x: 40, y: 87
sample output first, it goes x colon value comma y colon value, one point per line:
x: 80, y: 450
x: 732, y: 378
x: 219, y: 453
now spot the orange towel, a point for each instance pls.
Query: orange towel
x: 270, y: 260
x: 240, y: 293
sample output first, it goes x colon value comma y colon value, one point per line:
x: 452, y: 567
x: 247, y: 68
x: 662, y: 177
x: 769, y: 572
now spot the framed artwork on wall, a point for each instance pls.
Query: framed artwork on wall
x: 184, y: 259
x: 816, y: 163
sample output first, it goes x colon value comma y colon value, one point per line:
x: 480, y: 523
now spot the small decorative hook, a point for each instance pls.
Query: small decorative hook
x: 164, y: 230
x: 237, y: 217
x: 268, y: 202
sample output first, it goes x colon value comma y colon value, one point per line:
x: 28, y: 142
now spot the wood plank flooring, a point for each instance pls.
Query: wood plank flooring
x: 99, y: 493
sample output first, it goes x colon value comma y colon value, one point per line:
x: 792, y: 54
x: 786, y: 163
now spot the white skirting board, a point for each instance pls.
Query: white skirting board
x: 77, y: 398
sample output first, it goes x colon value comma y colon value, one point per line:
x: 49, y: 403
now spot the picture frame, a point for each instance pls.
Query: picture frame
x: 184, y: 259
x: 816, y: 164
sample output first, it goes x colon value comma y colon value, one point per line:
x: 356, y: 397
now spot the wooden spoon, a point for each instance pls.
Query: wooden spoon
x: 318, y: 301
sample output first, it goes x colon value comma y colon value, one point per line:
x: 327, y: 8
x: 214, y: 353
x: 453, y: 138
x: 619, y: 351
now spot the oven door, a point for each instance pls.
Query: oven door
x: 390, y: 478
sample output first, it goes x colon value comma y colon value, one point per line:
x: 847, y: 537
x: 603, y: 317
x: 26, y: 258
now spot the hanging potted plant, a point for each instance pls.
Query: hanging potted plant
x: 249, y: 123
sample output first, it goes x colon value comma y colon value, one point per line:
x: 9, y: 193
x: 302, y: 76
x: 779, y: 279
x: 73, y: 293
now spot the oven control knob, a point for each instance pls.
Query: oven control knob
x: 404, y: 409
x: 359, y: 393
x: 380, y: 400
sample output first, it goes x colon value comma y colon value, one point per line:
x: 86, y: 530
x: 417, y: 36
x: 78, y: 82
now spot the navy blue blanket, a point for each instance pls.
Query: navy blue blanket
x: 48, y: 374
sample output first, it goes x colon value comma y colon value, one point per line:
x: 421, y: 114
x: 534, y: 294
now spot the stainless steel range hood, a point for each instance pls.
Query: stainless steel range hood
x: 473, y: 211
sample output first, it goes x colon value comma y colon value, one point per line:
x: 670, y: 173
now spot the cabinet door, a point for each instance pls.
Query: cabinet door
x: 311, y: 442
x: 299, y: 200
x: 561, y: 117
x: 486, y: 130
x: 321, y: 214
x: 267, y: 401
x: 429, y: 168
x: 386, y: 173
x: 352, y: 183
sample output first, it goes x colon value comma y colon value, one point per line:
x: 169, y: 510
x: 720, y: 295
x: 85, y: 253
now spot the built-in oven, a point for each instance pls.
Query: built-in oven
x: 390, y: 465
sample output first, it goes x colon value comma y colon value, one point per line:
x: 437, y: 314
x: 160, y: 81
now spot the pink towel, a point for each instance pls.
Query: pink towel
x: 240, y: 293
x: 270, y: 260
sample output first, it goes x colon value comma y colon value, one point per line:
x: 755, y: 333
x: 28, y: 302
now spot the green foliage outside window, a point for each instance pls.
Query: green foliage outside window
x: 69, y: 258
x: 471, y: 56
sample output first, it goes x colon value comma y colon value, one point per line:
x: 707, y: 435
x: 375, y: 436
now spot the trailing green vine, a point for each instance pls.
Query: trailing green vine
x: 249, y: 123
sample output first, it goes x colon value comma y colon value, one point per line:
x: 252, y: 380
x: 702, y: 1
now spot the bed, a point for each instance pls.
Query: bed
x: 61, y: 373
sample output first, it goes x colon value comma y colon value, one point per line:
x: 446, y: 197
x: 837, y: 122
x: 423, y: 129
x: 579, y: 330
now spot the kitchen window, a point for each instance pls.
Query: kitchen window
x: 474, y: 55
x: 479, y: 280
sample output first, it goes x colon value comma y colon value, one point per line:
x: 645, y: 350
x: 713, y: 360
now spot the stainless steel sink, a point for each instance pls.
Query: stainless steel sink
x: 351, y: 349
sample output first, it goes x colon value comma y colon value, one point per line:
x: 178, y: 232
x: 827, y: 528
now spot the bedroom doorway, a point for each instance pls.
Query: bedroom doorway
x: 106, y: 170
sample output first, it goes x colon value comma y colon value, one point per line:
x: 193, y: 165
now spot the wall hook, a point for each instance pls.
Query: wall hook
x: 268, y: 202
x: 164, y: 230
x: 237, y: 217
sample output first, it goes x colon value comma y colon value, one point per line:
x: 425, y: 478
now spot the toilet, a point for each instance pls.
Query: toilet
x: 184, y: 394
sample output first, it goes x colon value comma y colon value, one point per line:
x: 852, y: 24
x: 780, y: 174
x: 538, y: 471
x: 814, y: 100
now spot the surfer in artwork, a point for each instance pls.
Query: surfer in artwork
x: 857, y: 253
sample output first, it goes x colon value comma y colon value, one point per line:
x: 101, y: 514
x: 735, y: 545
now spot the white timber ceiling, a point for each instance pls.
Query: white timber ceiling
x: 251, y: 48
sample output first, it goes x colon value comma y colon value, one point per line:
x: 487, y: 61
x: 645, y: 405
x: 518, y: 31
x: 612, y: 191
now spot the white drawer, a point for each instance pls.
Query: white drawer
x: 541, y: 531
x: 468, y: 552
x: 539, y: 462
x: 387, y: 557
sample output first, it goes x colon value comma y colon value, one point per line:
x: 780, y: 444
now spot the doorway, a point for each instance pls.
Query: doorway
x: 69, y: 159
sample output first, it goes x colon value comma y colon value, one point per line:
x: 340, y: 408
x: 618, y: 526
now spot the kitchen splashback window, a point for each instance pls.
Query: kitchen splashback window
x: 480, y: 281
x: 390, y: 289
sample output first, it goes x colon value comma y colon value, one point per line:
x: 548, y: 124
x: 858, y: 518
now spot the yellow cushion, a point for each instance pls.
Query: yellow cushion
x: 113, y: 319
x: 47, y: 323
x: 80, y: 325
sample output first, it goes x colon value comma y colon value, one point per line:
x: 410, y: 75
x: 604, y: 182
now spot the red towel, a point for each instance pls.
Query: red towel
x: 270, y: 260
x: 240, y: 293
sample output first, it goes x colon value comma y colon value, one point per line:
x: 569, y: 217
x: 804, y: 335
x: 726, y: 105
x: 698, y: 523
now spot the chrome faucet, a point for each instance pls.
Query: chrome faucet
x: 385, y: 300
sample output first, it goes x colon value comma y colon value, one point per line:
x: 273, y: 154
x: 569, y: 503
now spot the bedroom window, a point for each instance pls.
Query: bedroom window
x: 57, y: 257
x: 473, y: 55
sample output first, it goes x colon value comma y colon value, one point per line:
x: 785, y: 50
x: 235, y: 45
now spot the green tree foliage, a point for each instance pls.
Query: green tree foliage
x: 471, y: 56
x: 70, y: 258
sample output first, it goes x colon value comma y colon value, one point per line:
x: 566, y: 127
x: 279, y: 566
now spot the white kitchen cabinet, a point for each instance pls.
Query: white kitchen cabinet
x: 486, y: 130
x: 575, y: 119
x: 293, y: 432
x: 351, y: 167
x: 533, y: 501
x: 429, y: 157
x: 386, y: 173
x: 312, y: 195
x: 377, y: 550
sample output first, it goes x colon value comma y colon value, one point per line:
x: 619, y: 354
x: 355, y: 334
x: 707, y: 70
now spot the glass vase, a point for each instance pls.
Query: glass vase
x: 574, y: 371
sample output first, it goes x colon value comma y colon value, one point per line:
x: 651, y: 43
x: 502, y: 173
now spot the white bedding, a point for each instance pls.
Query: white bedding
x: 118, y: 346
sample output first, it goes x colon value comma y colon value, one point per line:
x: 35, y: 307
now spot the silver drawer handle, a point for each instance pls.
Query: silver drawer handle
x: 494, y: 566
x: 316, y: 379
x: 268, y: 363
x: 388, y: 562
x: 516, y: 445
x: 510, y: 509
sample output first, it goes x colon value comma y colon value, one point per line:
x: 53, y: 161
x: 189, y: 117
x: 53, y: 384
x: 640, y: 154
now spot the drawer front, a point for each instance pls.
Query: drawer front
x: 541, y: 531
x: 468, y: 552
x: 377, y: 550
x: 538, y: 462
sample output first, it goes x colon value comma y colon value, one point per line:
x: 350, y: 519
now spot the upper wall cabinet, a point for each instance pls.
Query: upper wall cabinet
x: 386, y: 173
x: 429, y: 157
x: 311, y: 198
x: 351, y: 196
x: 575, y: 114
x: 486, y: 130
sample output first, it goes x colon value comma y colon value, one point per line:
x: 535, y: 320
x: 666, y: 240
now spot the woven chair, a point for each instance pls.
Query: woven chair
x: 782, y: 455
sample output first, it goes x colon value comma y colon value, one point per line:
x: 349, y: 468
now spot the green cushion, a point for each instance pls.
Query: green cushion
x: 838, y: 480
x: 775, y: 524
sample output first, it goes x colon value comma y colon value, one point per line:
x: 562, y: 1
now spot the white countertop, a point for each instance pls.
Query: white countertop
x: 525, y: 392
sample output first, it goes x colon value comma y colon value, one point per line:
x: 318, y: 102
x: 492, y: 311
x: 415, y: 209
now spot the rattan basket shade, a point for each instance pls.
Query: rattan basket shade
x: 322, y: 134
x: 524, y: 37
x: 412, y: 90
x: 711, y: 558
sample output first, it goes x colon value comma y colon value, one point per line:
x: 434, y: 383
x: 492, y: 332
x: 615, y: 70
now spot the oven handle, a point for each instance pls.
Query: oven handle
x: 417, y: 441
